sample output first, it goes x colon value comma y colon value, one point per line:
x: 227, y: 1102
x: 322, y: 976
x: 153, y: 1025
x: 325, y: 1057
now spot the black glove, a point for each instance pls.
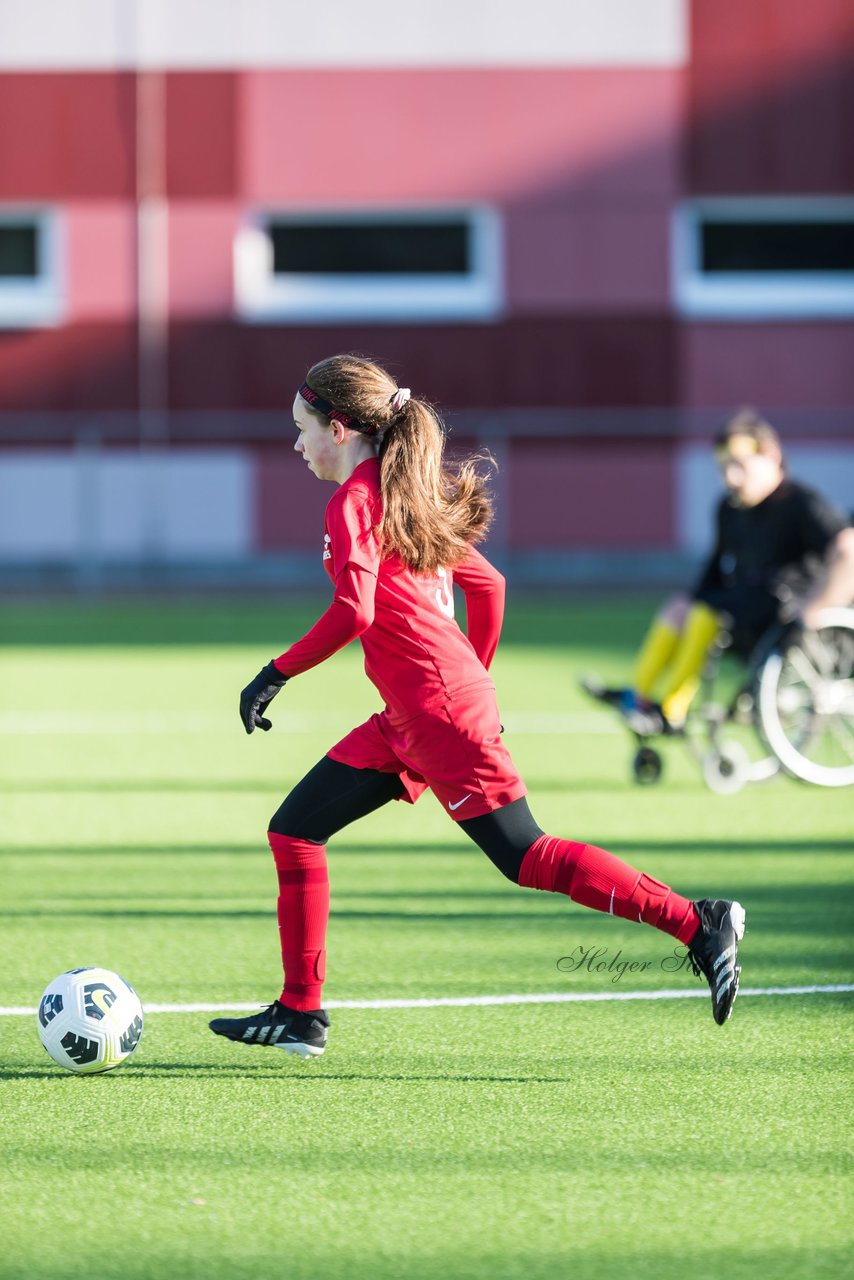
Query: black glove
x: 257, y: 696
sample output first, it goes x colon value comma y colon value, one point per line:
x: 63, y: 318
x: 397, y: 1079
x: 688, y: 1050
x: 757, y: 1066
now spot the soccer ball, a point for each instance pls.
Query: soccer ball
x: 89, y: 1020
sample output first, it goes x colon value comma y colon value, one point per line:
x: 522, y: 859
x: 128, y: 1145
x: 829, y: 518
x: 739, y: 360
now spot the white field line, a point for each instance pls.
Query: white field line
x: 465, y: 1002
x: 57, y: 723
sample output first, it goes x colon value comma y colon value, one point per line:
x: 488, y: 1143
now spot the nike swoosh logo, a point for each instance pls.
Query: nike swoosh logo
x: 452, y: 807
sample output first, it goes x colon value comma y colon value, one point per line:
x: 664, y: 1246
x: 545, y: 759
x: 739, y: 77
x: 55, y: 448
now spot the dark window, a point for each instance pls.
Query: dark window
x: 370, y: 248
x: 776, y: 245
x: 18, y: 249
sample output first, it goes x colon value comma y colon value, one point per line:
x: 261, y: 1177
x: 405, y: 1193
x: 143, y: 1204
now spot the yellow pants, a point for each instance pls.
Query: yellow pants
x: 678, y: 657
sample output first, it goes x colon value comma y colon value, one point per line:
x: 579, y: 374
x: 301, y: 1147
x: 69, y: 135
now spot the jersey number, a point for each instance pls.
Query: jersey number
x: 445, y: 594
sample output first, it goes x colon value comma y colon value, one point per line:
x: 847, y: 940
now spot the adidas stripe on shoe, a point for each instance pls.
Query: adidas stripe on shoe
x: 279, y: 1027
x: 713, y: 952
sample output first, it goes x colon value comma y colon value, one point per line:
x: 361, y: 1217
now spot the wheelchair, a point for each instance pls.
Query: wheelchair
x: 795, y: 699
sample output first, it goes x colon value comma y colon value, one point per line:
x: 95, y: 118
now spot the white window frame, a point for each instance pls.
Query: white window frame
x: 31, y: 303
x: 744, y: 295
x: 263, y: 297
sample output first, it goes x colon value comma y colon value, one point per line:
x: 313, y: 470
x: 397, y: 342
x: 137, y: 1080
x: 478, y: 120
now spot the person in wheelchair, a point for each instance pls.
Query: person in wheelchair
x: 781, y: 553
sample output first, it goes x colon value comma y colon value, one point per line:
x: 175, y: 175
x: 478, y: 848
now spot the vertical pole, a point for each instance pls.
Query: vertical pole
x: 152, y: 287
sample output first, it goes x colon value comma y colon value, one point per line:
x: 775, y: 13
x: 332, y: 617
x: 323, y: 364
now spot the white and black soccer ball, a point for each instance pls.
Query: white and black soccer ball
x: 89, y: 1020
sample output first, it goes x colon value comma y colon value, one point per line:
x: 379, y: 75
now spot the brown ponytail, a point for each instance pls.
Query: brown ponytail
x: 431, y: 513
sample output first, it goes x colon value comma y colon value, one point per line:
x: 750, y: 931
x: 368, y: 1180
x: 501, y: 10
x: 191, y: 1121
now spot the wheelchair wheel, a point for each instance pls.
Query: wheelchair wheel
x: 726, y: 768
x: 647, y: 766
x: 805, y: 702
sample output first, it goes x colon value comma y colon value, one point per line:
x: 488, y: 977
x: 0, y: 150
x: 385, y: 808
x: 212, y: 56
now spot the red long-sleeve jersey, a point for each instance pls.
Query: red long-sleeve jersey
x: 415, y: 654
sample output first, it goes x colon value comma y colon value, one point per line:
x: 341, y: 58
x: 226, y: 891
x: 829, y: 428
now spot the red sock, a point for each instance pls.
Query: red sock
x: 597, y: 879
x: 303, y: 911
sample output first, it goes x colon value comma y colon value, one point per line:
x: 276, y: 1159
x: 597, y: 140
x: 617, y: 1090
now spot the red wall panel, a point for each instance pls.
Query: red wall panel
x: 554, y: 361
x: 201, y: 156
x: 83, y: 366
x: 767, y: 33
x: 67, y: 136
x: 771, y: 97
x: 558, y: 494
x: 794, y: 364
x: 289, y: 500
x: 326, y: 137
x: 580, y: 494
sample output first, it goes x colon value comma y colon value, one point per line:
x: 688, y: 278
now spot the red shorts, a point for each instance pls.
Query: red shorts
x: 455, y: 749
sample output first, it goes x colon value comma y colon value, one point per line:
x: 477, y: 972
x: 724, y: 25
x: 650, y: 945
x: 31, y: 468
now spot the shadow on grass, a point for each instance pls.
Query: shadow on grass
x: 265, y: 913
x: 404, y: 894
x: 611, y: 625
x: 272, y: 1071
x: 798, y: 908
x: 254, y: 849
x: 300, y: 1074
x: 194, y: 786
x: 85, y: 786
x: 630, y: 849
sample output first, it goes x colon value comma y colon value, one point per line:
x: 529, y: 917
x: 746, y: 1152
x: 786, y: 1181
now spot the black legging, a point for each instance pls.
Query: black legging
x: 332, y: 795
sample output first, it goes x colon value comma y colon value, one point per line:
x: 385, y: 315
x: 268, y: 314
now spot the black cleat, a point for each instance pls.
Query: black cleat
x: 713, y: 953
x: 302, y: 1033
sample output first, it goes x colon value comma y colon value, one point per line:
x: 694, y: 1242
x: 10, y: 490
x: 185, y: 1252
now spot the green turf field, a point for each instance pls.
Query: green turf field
x: 604, y: 1139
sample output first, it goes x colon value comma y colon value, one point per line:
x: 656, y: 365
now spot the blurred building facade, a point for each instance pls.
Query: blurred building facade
x: 587, y: 229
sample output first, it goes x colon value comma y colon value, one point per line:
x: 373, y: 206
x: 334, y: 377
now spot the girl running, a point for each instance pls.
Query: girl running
x: 400, y: 531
